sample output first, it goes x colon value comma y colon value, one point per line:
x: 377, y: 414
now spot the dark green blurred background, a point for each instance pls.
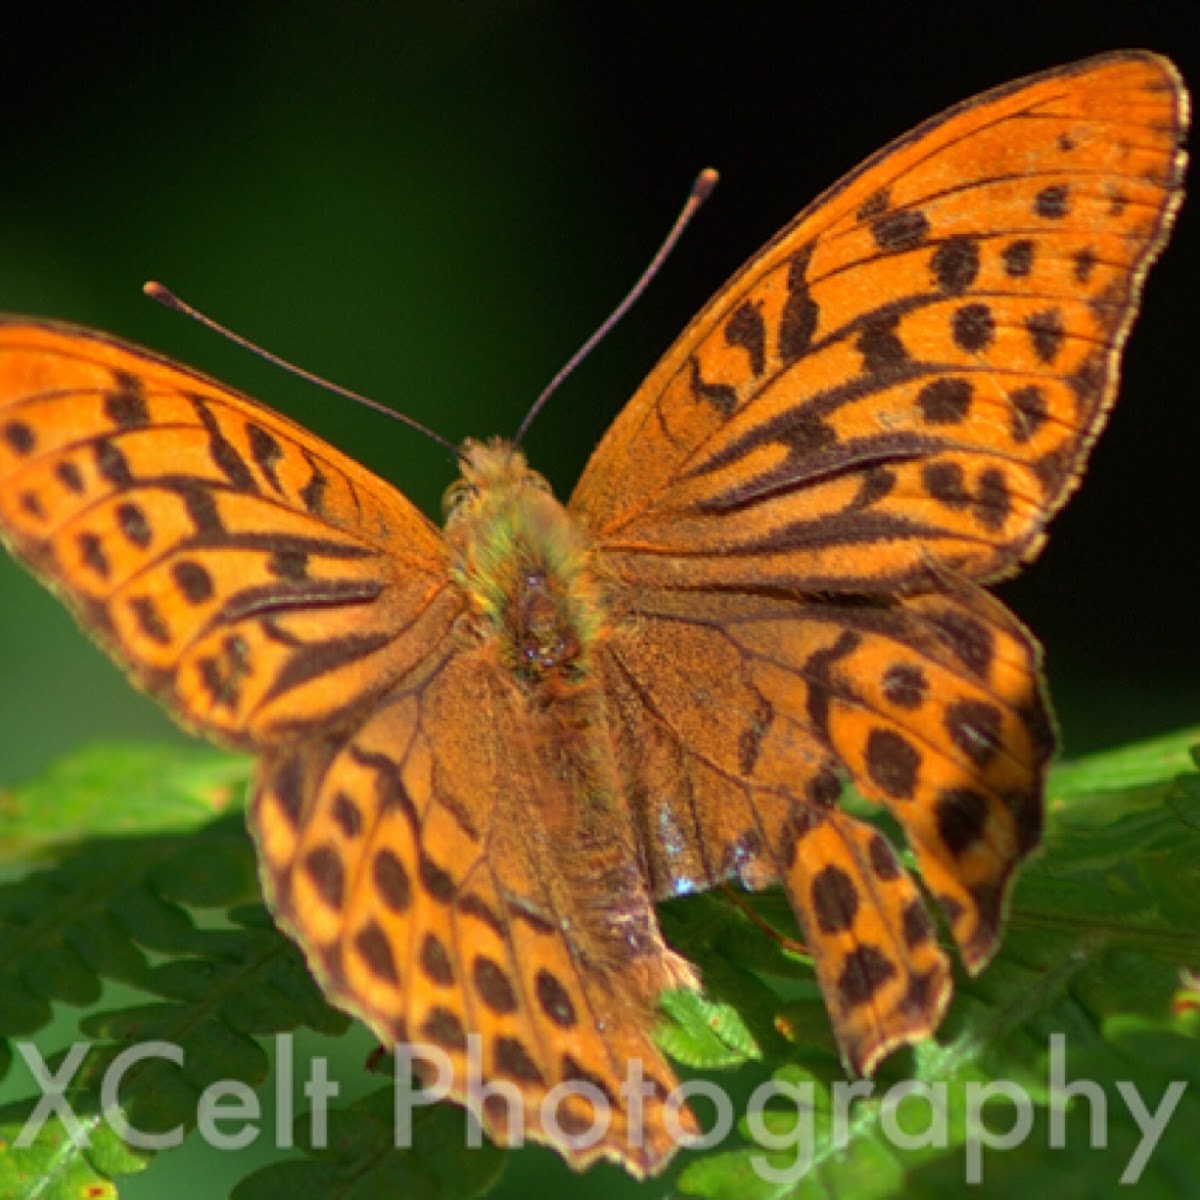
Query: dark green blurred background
x: 435, y: 203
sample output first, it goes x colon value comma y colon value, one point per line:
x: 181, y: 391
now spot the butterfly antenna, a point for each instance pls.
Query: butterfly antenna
x: 168, y: 299
x: 701, y: 190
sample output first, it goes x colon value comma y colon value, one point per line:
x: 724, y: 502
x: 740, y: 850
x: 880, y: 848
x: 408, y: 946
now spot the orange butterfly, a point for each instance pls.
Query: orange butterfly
x: 486, y: 752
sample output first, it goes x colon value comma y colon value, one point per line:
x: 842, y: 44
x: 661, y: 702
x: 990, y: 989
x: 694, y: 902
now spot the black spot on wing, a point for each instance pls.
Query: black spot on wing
x: 900, y: 230
x: 877, y: 482
x: 223, y: 452
x: 801, y: 314
x: 132, y: 522
x: 493, y: 986
x: 945, y: 400
x: 961, y: 818
x: 372, y: 944
x: 391, y: 880
x: 347, y: 816
x: 905, y: 685
x: 974, y: 727
x: 472, y: 905
x: 968, y: 639
x: 267, y: 453
x: 201, y: 507
x: 1087, y: 381
x: 834, y: 899
x: 193, y: 581
x: 993, y: 500
x: 1046, y: 331
x: 323, y: 866
x: 289, y: 562
x: 883, y: 859
x: 865, y: 971
x: 824, y: 789
x: 1030, y: 412
x: 149, y: 619
x: 312, y: 494
x: 554, y: 1000
x: 1018, y: 258
x: 946, y: 483
x: 435, y: 961
x: 437, y: 881
x: 91, y: 554
x: 893, y: 763
x: 1051, y: 203
x: 288, y: 786
x: 222, y: 674
x: 444, y: 1028
x: 819, y: 671
x: 955, y: 264
x: 19, y: 437
x: 111, y: 463
x: 721, y: 396
x: 883, y: 353
x: 876, y: 203
x: 125, y: 406
x: 973, y: 327
x: 916, y: 924
x: 747, y: 330
x: 70, y: 477
x: 512, y: 1060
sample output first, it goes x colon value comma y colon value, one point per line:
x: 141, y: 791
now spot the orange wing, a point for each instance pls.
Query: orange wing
x: 740, y: 715
x: 274, y: 594
x: 909, y: 377
x: 880, y: 411
x: 252, y: 578
x: 451, y: 889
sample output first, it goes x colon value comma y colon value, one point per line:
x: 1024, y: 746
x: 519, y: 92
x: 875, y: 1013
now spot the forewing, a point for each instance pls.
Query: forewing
x: 908, y: 378
x: 252, y: 578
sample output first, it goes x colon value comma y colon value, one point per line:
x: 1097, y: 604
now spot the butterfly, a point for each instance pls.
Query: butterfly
x: 486, y: 751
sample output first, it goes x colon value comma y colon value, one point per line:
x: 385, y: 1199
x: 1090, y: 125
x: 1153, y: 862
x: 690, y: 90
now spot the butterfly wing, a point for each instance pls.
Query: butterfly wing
x: 276, y: 595
x: 740, y: 716
x: 252, y: 578
x: 420, y: 858
x: 909, y: 377
x: 881, y: 410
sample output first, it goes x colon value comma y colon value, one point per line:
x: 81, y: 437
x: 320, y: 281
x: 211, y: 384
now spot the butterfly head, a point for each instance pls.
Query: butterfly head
x: 524, y: 563
x: 489, y: 469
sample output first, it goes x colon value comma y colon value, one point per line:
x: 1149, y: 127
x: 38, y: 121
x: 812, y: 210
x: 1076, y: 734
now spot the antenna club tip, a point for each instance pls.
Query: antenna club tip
x: 163, y: 295
x: 705, y: 182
